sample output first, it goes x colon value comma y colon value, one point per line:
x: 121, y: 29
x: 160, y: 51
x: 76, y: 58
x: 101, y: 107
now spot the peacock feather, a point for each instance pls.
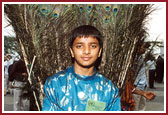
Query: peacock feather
x: 44, y: 29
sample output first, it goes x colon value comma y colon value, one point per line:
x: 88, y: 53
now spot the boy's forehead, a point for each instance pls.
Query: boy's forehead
x: 86, y: 38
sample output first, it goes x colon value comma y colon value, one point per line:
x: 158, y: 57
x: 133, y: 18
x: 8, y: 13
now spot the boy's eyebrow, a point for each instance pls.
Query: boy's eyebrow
x: 89, y: 43
x: 79, y: 43
x: 94, y: 43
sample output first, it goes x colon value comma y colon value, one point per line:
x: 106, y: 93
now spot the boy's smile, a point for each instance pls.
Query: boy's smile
x: 85, y: 51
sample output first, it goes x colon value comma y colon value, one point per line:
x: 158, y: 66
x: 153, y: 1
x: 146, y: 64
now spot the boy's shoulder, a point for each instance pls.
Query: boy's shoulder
x: 59, y: 75
x: 101, y: 76
x: 106, y: 80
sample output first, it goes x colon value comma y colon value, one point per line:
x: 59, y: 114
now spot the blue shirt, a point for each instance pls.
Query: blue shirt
x: 141, y: 80
x: 68, y: 91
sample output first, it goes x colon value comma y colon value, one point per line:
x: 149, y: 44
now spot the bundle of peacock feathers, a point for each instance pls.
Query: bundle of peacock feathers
x: 43, y: 31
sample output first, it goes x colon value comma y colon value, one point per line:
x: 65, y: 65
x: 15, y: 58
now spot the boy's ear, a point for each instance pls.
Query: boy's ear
x: 71, y: 51
x: 100, y: 52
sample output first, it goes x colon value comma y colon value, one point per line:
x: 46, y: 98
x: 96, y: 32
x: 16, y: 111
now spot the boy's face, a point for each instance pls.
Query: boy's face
x: 85, y: 51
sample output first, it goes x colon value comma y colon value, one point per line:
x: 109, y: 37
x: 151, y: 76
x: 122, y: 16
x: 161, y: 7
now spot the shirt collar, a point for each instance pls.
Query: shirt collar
x: 83, y: 77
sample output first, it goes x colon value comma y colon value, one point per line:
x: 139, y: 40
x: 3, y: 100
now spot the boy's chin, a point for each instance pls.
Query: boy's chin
x: 87, y: 66
x: 84, y: 65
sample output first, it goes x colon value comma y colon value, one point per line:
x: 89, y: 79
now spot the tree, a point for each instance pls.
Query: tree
x: 11, y: 45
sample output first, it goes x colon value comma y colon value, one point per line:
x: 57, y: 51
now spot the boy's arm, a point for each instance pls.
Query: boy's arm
x: 47, y: 104
x: 46, y: 101
x: 49, y: 98
x: 115, y: 104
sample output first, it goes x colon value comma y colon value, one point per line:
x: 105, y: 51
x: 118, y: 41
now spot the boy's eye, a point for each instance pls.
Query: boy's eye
x: 93, y: 46
x: 78, y: 46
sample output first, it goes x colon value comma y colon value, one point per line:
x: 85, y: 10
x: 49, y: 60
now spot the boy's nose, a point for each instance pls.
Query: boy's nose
x: 86, y: 50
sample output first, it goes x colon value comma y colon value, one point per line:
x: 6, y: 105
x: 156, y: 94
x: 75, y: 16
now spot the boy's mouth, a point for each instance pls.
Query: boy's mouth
x: 86, y: 58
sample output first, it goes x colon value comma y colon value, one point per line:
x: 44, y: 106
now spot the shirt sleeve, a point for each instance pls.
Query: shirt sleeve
x: 49, y: 100
x: 114, y: 104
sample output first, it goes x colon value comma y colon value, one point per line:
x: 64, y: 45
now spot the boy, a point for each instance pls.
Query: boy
x: 80, y: 87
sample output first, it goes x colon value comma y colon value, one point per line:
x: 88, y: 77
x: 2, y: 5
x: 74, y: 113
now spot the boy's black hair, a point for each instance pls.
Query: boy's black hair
x: 86, y: 31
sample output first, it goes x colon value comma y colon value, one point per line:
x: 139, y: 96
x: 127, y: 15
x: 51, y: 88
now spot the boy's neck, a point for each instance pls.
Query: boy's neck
x: 84, y: 71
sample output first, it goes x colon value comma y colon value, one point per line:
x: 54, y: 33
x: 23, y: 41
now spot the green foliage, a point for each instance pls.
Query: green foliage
x: 11, y: 45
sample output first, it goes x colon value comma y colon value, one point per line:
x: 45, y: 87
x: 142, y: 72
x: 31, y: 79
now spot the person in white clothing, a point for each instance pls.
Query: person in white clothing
x: 141, y: 80
x: 6, y: 65
x: 19, y: 74
x: 8, y: 60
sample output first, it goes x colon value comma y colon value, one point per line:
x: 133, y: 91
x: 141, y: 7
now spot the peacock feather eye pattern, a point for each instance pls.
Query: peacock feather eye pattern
x: 81, y: 8
x: 115, y: 9
x: 55, y: 14
x: 95, y: 19
x: 107, y: 7
x: 89, y: 7
x: 107, y: 19
x: 44, y: 9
